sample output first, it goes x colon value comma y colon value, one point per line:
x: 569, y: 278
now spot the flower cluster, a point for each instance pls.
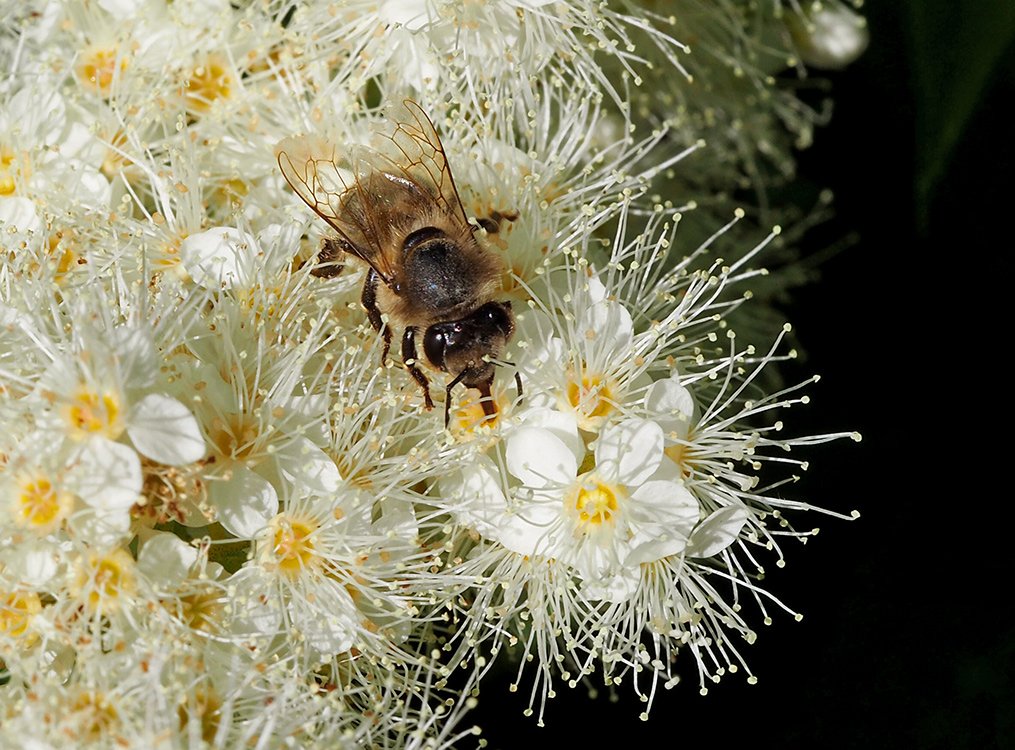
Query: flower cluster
x: 226, y: 518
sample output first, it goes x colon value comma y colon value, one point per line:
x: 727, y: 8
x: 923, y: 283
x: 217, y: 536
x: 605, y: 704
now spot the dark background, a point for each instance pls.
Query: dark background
x: 907, y: 638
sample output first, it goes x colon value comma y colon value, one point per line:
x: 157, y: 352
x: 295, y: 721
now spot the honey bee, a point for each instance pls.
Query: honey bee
x: 398, y: 210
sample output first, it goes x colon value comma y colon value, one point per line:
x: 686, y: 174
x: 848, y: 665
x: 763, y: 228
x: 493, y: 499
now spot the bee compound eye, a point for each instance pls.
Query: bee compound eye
x: 435, y: 345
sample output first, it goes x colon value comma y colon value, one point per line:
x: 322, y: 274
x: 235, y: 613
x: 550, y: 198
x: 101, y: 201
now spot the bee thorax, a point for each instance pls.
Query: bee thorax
x: 438, y: 274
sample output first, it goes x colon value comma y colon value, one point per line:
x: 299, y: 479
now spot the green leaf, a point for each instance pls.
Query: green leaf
x: 956, y: 51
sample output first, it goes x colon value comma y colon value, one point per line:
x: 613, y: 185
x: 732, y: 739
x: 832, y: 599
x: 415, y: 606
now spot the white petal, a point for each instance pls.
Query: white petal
x: 601, y: 568
x: 38, y: 112
x: 562, y: 424
x: 630, y: 452
x: 412, y: 14
x: 478, y: 500
x: 397, y: 519
x: 539, y: 458
x: 595, y: 291
x: 32, y: 562
x: 120, y: 8
x: 19, y: 214
x: 532, y: 526
x: 217, y: 257
x: 164, y: 430
x: 536, y: 348
x: 102, y: 527
x: 527, y: 528
x: 204, y: 376
x: 245, y: 502
x: 92, y: 188
x: 661, y: 516
x: 106, y: 475
x: 476, y: 496
x: 328, y: 619
x: 36, y: 448
x: 610, y: 323
x: 314, y: 411
x: 255, y: 608
x: 166, y: 559
x: 357, y: 508
x: 79, y: 146
x: 671, y: 405
x: 307, y: 465
x: 136, y: 355
x: 617, y: 586
x: 717, y: 532
x: 668, y: 470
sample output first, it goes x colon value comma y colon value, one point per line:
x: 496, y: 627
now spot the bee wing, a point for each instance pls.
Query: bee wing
x: 414, y: 153
x: 312, y: 168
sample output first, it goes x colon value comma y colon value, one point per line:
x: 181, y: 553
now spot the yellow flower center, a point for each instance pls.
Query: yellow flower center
x: 681, y: 455
x: 207, y: 83
x: 468, y: 415
x: 16, y: 612
x: 39, y: 506
x: 229, y: 192
x: 236, y: 436
x: 93, y: 716
x: 12, y: 166
x: 205, y: 707
x: 596, y: 503
x: 293, y: 548
x: 62, y: 253
x: 97, y: 68
x: 262, y: 301
x: 591, y: 397
x: 202, y: 610
x: 114, y: 162
x: 90, y: 413
x: 103, y: 580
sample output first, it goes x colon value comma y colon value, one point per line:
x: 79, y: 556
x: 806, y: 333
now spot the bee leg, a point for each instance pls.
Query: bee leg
x: 447, y: 397
x: 369, y: 301
x: 486, y: 400
x: 409, y: 357
x: 500, y: 216
x: 329, y: 259
x: 489, y: 225
x: 492, y: 222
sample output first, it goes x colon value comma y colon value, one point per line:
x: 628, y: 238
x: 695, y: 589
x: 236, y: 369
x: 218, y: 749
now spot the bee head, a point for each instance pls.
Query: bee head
x: 459, y: 346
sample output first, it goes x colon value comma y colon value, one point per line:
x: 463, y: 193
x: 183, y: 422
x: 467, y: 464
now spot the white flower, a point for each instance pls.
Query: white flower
x: 318, y: 570
x: 605, y: 518
x: 46, y: 155
x: 97, y: 393
x: 222, y: 521
x: 258, y: 443
x: 223, y: 257
x: 590, y: 366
